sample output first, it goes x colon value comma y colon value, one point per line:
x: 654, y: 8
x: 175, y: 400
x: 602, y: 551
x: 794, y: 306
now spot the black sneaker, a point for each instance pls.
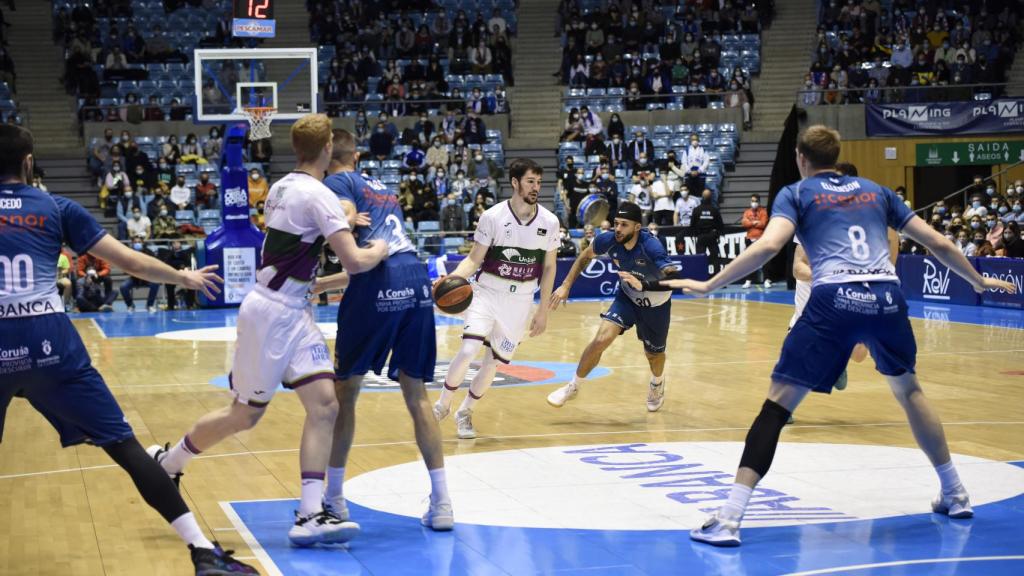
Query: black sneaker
x: 218, y: 562
x: 157, y: 452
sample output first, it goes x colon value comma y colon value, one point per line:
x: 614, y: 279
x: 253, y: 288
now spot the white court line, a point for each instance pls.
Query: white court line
x: 905, y: 563
x: 97, y: 325
x: 547, y: 435
x: 254, y: 544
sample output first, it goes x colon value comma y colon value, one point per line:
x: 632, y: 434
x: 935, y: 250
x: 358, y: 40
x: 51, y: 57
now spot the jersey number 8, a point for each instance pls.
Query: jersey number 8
x: 859, y: 243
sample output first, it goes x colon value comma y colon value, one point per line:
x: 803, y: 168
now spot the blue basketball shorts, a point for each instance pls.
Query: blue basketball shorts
x: 651, y: 321
x: 387, y: 311
x: 43, y: 360
x: 836, y: 318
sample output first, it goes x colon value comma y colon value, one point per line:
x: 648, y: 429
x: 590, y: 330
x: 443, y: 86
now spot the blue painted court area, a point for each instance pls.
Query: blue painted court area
x: 121, y: 324
x: 990, y: 544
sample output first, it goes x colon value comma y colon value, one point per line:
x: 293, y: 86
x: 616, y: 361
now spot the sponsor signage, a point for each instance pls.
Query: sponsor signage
x: 1007, y: 269
x: 945, y: 118
x: 925, y: 278
x: 984, y: 152
x: 253, y: 28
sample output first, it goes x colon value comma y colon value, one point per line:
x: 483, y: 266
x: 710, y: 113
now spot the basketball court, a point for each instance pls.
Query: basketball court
x: 598, y: 487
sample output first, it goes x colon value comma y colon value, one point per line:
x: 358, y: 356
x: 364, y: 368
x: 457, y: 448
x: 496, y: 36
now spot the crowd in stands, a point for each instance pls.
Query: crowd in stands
x: 653, y: 54
x: 9, y: 112
x: 129, y: 60
x: 874, y: 51
x: 405, y: 57
x: 991, y: 223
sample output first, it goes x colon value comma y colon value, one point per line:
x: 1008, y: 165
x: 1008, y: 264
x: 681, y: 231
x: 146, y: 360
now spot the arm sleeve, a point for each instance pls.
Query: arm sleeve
x: 602, y: 242
x: 655, y: 285
x: 78, y: 228
x: 326, y: 213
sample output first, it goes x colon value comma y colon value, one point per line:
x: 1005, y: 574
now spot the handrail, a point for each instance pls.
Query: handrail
x: 948, y: 87
x: 965, y: 188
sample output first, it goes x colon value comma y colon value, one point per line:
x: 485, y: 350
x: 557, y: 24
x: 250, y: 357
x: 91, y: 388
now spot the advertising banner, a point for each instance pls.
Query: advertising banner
x: 925, y: 278
x: 945, y: 118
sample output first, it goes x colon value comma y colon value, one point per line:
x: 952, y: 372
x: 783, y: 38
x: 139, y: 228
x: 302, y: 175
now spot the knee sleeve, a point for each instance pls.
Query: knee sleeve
x: 460, y: 364
x: 152, y: 482
x: 763, y: 437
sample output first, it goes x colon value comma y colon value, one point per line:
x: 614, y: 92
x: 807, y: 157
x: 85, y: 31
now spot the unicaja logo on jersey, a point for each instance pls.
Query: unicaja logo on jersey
x: 513, y: 255
x: 935, y: 285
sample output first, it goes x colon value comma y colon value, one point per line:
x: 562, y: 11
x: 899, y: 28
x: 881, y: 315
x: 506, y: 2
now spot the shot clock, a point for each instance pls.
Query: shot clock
x: 253, y: 19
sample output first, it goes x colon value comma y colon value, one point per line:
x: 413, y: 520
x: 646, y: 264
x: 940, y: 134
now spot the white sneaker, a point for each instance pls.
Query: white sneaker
x: 767, y: 283
x: 439, y: 516
x: 321, y: 527
x: 337, y: 507
x: 559, y: 397
x: 131, y: 309
x: 464, y: 424
x: 151, y: 309
x: 953, y: 505
x: 441, y: 411
x: 158, y: 452
x: 717, y: 532
x: 746, y: 285
x: 655, y: 396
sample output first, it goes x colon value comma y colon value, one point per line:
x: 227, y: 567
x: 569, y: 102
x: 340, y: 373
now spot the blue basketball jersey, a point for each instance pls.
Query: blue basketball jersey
x: 33, y: 226
x: 842, y: 223
x: 645, y: 260
x: 372, y: 196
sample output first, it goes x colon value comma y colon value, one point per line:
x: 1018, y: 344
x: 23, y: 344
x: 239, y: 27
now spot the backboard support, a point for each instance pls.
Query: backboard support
x: 228, y: 79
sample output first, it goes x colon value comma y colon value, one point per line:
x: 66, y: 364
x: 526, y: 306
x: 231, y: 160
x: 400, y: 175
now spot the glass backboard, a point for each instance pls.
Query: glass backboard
x: 227, y: 80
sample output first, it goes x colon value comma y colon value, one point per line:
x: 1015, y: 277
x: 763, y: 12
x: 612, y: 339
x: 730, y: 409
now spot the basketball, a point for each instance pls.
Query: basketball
x: 453, y: 294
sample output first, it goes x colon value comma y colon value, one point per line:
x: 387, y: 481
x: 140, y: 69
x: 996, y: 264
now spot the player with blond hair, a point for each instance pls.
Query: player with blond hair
x: 278, y: 339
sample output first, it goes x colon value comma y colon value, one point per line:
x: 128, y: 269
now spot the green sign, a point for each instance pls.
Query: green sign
x: 984, y: 152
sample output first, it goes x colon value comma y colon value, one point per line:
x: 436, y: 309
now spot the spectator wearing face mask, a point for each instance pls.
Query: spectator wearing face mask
x: 754, y: 221
x: 994, y: 230
x: 165, y: 226
x: 94, y: 290
x: 640, y: 194
x: 577, y: 188
x: 181, y: 195
x: 977, y: 208
x: 685, y: 204
x: 132, y: 282
x: 482, y: 167
x: 381, y: 142
x: 414, y: 160
x: 983, y: 248
x: 640, y: 146
x: 1016, y: 213
x: 607, y: 188
x: 588, y: 237
x: 437, y: 156
x: 566, y: 247
x: 1013, y: 244
x: 124, y: 206
x: 697, y: 163
x: 115, y: 182
x: 257, y: 187
x: 664, y: 207
x: 617, y: 151
x: 207, y: 195
x: 963, y: 242
x: 179, y: 257
x: 139, y: 225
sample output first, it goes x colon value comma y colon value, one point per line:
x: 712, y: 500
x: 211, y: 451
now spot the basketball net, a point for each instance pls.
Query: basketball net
x: 259, y: 118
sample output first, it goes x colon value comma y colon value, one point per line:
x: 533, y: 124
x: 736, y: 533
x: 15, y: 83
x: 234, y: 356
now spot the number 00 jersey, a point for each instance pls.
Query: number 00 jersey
x: 515, y: 250
x: 33, y: 224
x: 842, y: 223
x: 372, y: 196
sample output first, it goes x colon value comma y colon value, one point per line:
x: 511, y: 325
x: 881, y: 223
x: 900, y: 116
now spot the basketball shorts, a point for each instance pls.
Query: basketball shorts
x: 388, y: 311
x: 651, y: 321
x: 42, y: 359
x: 278, y: 343
x: 836, y: 318
x: 498, y: 318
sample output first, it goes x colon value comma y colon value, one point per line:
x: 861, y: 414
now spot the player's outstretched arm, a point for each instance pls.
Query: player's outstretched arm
x: 779, y: 231
x: 950, y: 256
x: 150, y: 269
x: 330, y: 282
x: 562, y: 293
x: 353, y: 258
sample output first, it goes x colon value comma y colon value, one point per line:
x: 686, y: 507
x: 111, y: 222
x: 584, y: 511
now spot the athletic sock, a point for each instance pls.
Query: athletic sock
x: 189, y: 531
x: 438, y: 486
x: 736, y: 505
x: 481, y: 383
x: 577, y: 381
x: 335, y: 482
x: 949, y: 478
x: 312, y: 493
x: 446, y: 395
x: 179, y: 455
x: 468, y: 402
x: 658, y: 380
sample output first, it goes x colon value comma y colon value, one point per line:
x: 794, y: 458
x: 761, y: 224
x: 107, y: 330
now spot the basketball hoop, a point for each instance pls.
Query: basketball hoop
x: 259, y: 118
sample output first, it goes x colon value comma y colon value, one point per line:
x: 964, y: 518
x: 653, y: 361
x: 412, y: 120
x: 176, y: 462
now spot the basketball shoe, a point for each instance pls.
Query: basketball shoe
x: 464, y: 424
x: 218, y: 562
x: 655, y: 396
x: 321, y: 527
x: 157, y: 452
x: 956, y: 505
x: 439, y: 517
x: 441, y: 411
x: 718, y: 531
x: 336, y: 506
x: 559, y: 397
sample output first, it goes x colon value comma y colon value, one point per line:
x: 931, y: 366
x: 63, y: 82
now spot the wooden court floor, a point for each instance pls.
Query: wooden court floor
x: 72, y: 512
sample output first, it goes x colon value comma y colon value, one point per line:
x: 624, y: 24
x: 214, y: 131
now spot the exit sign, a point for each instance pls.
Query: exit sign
x: 982, y: 152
